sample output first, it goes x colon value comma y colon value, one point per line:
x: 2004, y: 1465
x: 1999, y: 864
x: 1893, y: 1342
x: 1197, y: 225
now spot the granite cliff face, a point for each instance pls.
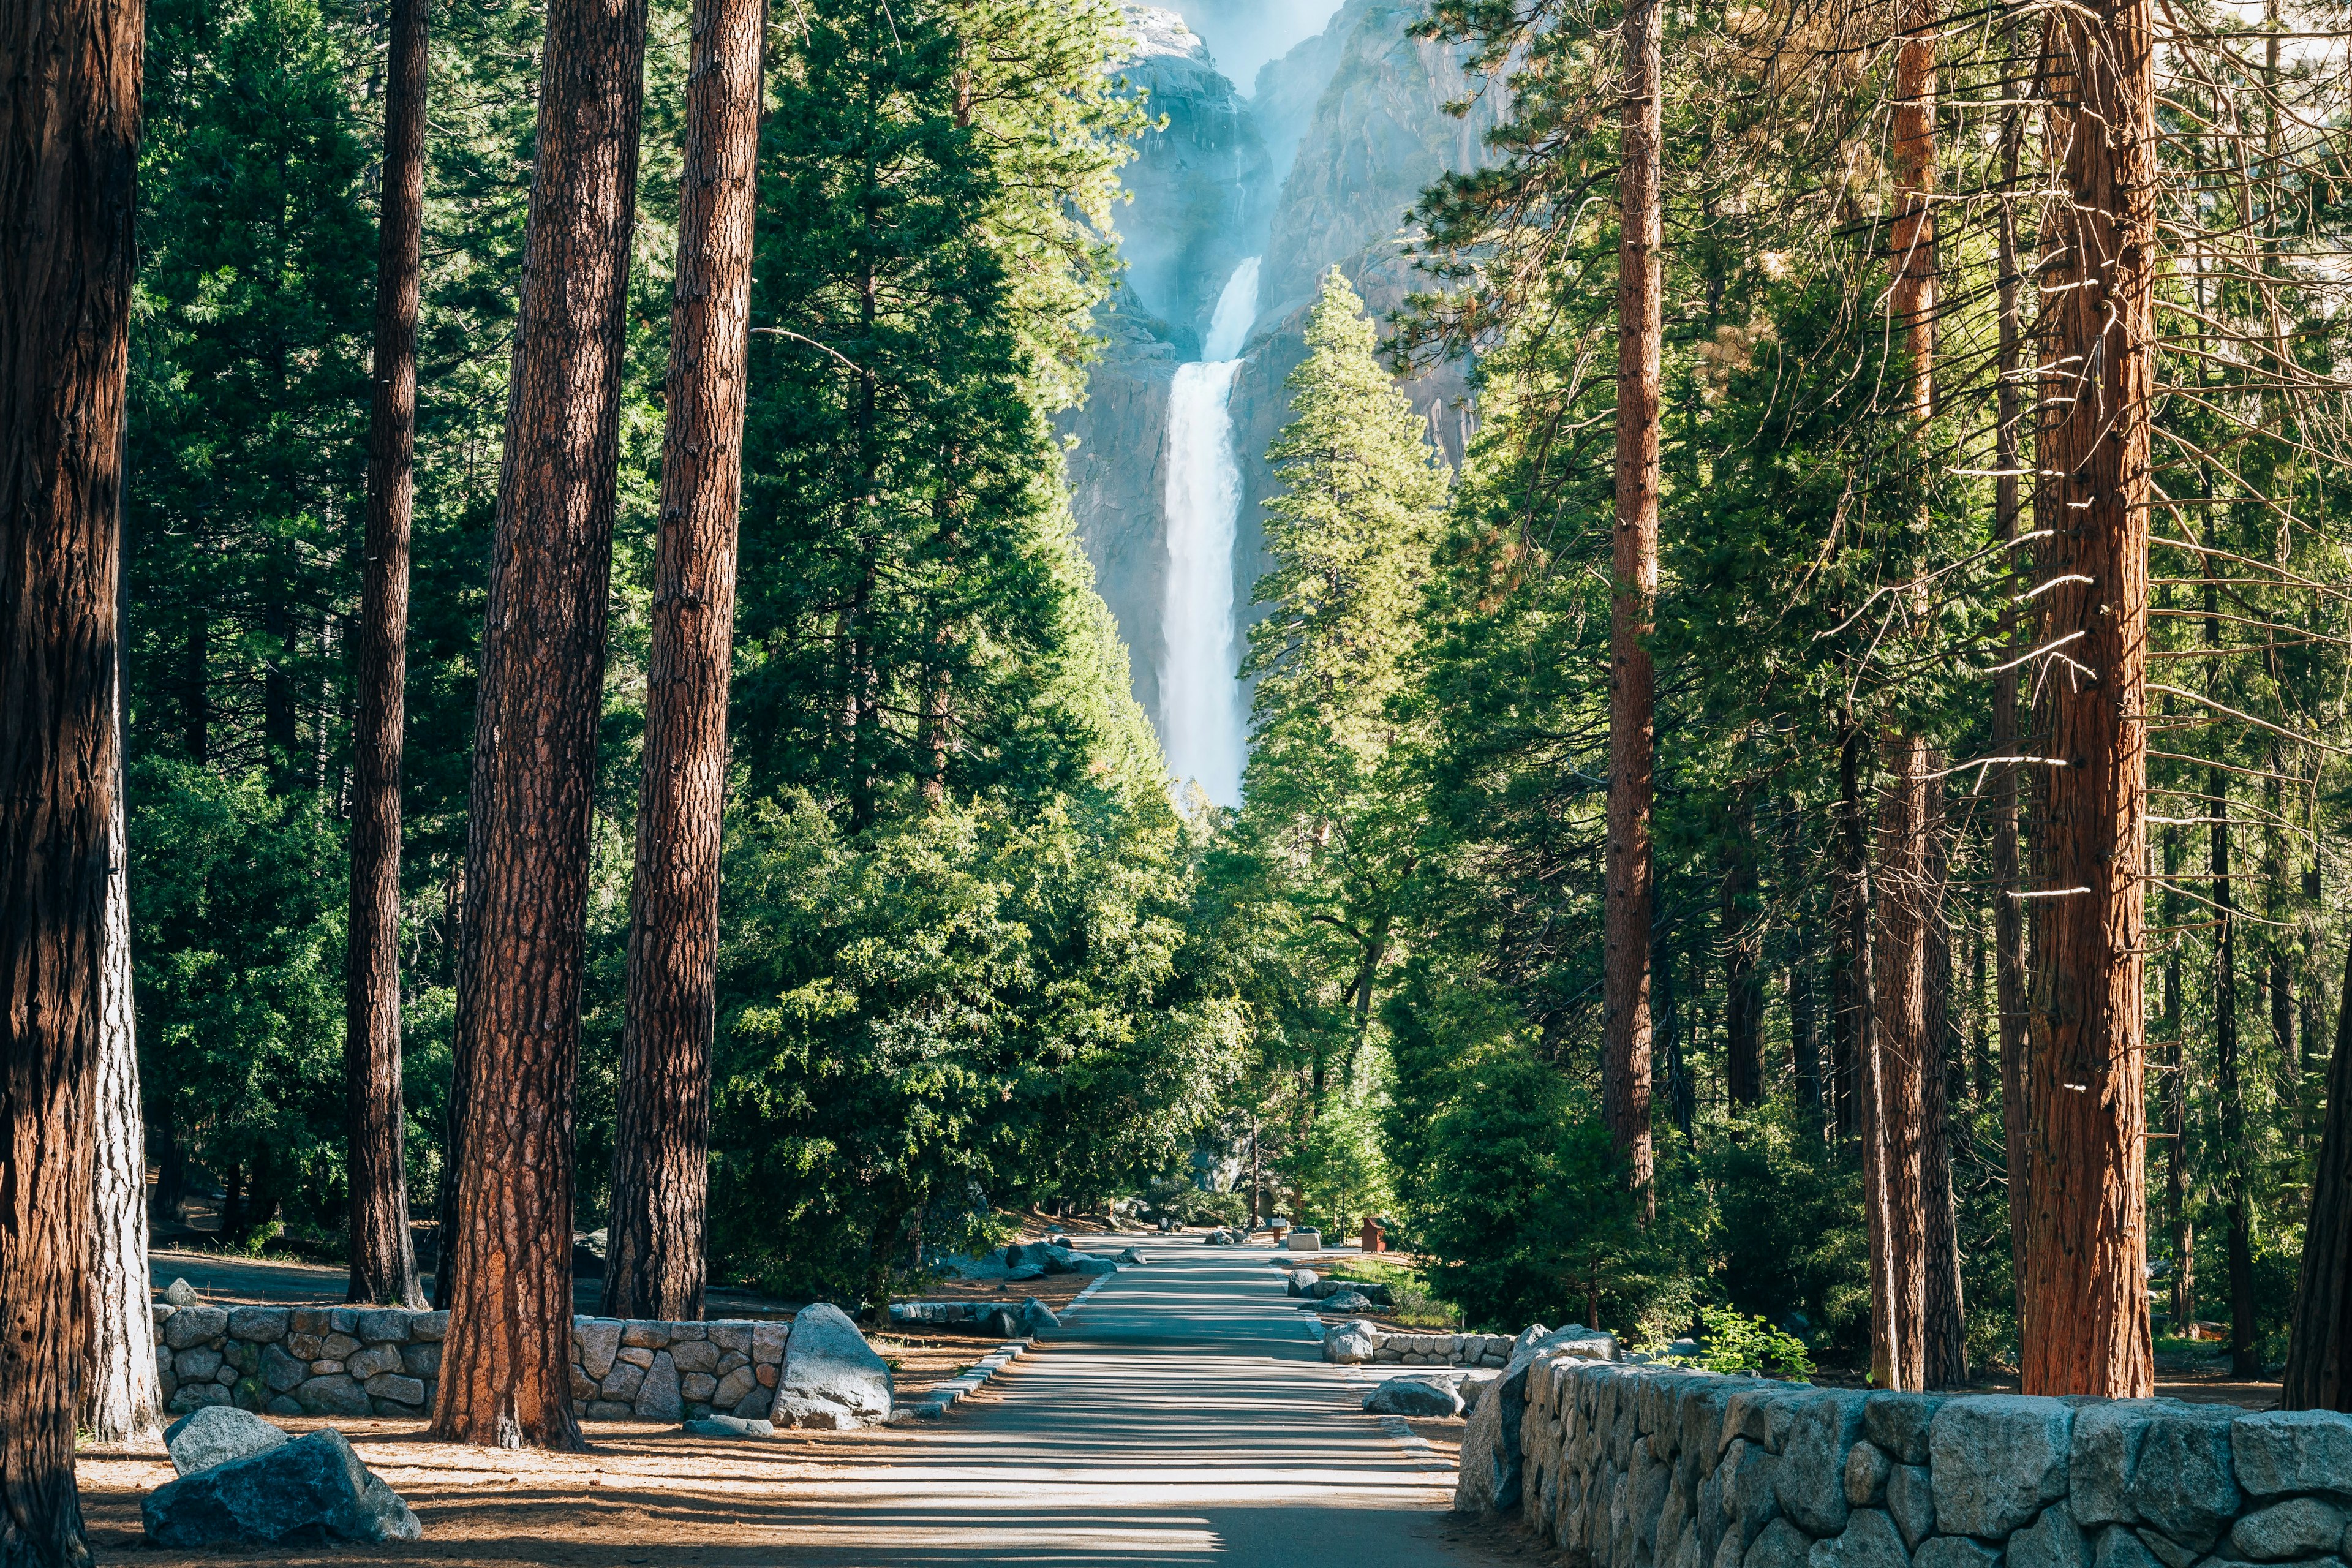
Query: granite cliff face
x: 1318, y: 168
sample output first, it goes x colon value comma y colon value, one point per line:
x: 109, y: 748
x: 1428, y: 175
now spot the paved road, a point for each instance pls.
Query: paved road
x: 1184, y: 1415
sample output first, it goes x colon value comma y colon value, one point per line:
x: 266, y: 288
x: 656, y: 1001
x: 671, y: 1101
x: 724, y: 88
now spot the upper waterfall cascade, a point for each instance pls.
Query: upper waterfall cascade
x: 1202, y: 725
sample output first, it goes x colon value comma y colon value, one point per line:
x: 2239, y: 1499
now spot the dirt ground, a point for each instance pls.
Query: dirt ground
x: 644, y: 1489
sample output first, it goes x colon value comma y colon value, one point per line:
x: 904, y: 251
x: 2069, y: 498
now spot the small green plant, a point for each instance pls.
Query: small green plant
x: 1735, y: 1345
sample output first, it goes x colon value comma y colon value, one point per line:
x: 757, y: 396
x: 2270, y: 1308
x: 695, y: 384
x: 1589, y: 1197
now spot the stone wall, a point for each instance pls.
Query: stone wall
x: 1637, y: 1466
x: 1359, y: 1341
x: 368, y: 1361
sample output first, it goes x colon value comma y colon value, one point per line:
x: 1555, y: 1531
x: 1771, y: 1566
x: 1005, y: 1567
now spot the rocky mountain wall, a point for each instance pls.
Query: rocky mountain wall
x: 1318, y: 169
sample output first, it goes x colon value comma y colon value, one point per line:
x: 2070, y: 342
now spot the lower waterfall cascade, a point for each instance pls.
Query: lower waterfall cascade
x: 1203, y: 727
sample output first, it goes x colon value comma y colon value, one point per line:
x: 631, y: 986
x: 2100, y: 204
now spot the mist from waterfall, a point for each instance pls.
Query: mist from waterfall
x: 1202, y: 726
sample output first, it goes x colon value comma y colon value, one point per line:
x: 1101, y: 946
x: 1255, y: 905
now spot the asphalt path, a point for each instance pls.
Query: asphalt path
x: 1184, y: 1415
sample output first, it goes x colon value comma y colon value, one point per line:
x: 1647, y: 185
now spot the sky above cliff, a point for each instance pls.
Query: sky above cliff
x: 1243, y: 35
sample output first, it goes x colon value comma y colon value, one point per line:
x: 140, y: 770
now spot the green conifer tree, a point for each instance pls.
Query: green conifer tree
x: 1328, y: 819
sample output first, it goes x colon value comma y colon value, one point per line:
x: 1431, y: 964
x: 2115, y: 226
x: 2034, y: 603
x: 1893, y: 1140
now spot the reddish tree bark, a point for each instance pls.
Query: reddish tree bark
x: 654, y: 1264
x: 1943, y: 1335
x: 2319, y: 1351
x: 2012, y: 966
x: 383, y: 1255
x: 68, y: 157
x: 2087, y: 1326
x: 1900, y: 961
x: 506, y: 1373
x: 1632, y: 688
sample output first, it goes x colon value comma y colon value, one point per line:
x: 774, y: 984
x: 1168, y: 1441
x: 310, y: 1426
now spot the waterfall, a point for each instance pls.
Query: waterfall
x: 1202, y: 726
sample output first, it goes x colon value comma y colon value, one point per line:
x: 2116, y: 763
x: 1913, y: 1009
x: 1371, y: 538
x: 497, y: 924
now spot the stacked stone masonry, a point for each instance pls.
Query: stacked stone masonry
x: 1431, y: 1350
x: 1635, y: 1467
x: 365, y: 1361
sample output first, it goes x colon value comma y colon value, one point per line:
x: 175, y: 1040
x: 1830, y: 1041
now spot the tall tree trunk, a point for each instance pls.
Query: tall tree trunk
x: 1743, y: 968
x: 2011, y: 958
x: 1885, y: 1339
x: 124, y: 1404
x: 383, y: 1255
x: 2085, y: 1326
x: 2183, y: 1308
x: 1944, y: 1335
x: 68, y: 159
x: 1625, y: 1008
x: 2230, y: 1090
x: 2319, y: 1350
x: 1896, y: 1065
x: 661, y: 1161
x: 506, y: 1373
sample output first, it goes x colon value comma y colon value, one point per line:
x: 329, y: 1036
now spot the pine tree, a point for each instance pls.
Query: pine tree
x: 1350, y: 534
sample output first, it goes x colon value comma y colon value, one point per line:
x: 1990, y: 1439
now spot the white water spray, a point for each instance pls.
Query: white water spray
x: 1202, y: 726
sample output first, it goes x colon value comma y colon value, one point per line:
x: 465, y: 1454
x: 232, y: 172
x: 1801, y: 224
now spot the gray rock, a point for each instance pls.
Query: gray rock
x: 2306, y: 1527
x: 195, y: 1325
x: 1346, y: 1302
x: 393, y: 1386
x: 180, y: 1293
x: 432, y: 1326
x: 663, y: 1398
x: 1132, y: 1258
x: 732, y: 1388
x: 639, y: 1334
x: 1955, y: 1551
x: 196, y: 1365
x: 2166, y: 1550
x: 215, y: 1435
x: 420, y: 1360
x: 2289, y: 1451
x: 620, y: 1383
x: 2053, y: 1541
x: 729, y: 1426
x: 1746, y: 1475
x: 595, y: 1343
x: 279, y: 1371
x: 312, y: 1488
x: 339, y: 1347
x: 609, y: 1410
x: 384, y: 1325
x: 364, y: 1365
x: 1086, y: 1264
x: 2182, y: 1480
x: 1866, y: 1469
x: 829, y: 1366
x: 699, y: 1388
x: 193, y: 1396
x: 695, y: 1356
x: 1026, y: 1272
x: 1868, y: 1540
x: 732, y: 1339
x: 1350, y: 1342
x: 768, y: 1341
x: 1779, y: 1545
x: 1034, y: 1317
x: 2119, y: 1547
x: 1898, y: 1423
x: 256, y: 1325
x: 1997, y: 1459
x: 1412, y: 1396
x: 637, y: 1356
x: 1001, y: 1323
x: 1811, y: 1482
x: 1911, y: 1499
x: 1299, y: 1282
x: 1480, y: 1476
x: 333, y: 1394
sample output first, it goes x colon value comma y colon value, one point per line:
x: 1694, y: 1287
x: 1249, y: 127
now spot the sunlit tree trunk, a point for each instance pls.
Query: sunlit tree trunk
x: 125, y: 1397
x: 506, y: 1371
x: 1625, y: 985
x: 2087, y: 1326
x: 383, y: 1255
x: 68, y: 161
x: 661, y: 1161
